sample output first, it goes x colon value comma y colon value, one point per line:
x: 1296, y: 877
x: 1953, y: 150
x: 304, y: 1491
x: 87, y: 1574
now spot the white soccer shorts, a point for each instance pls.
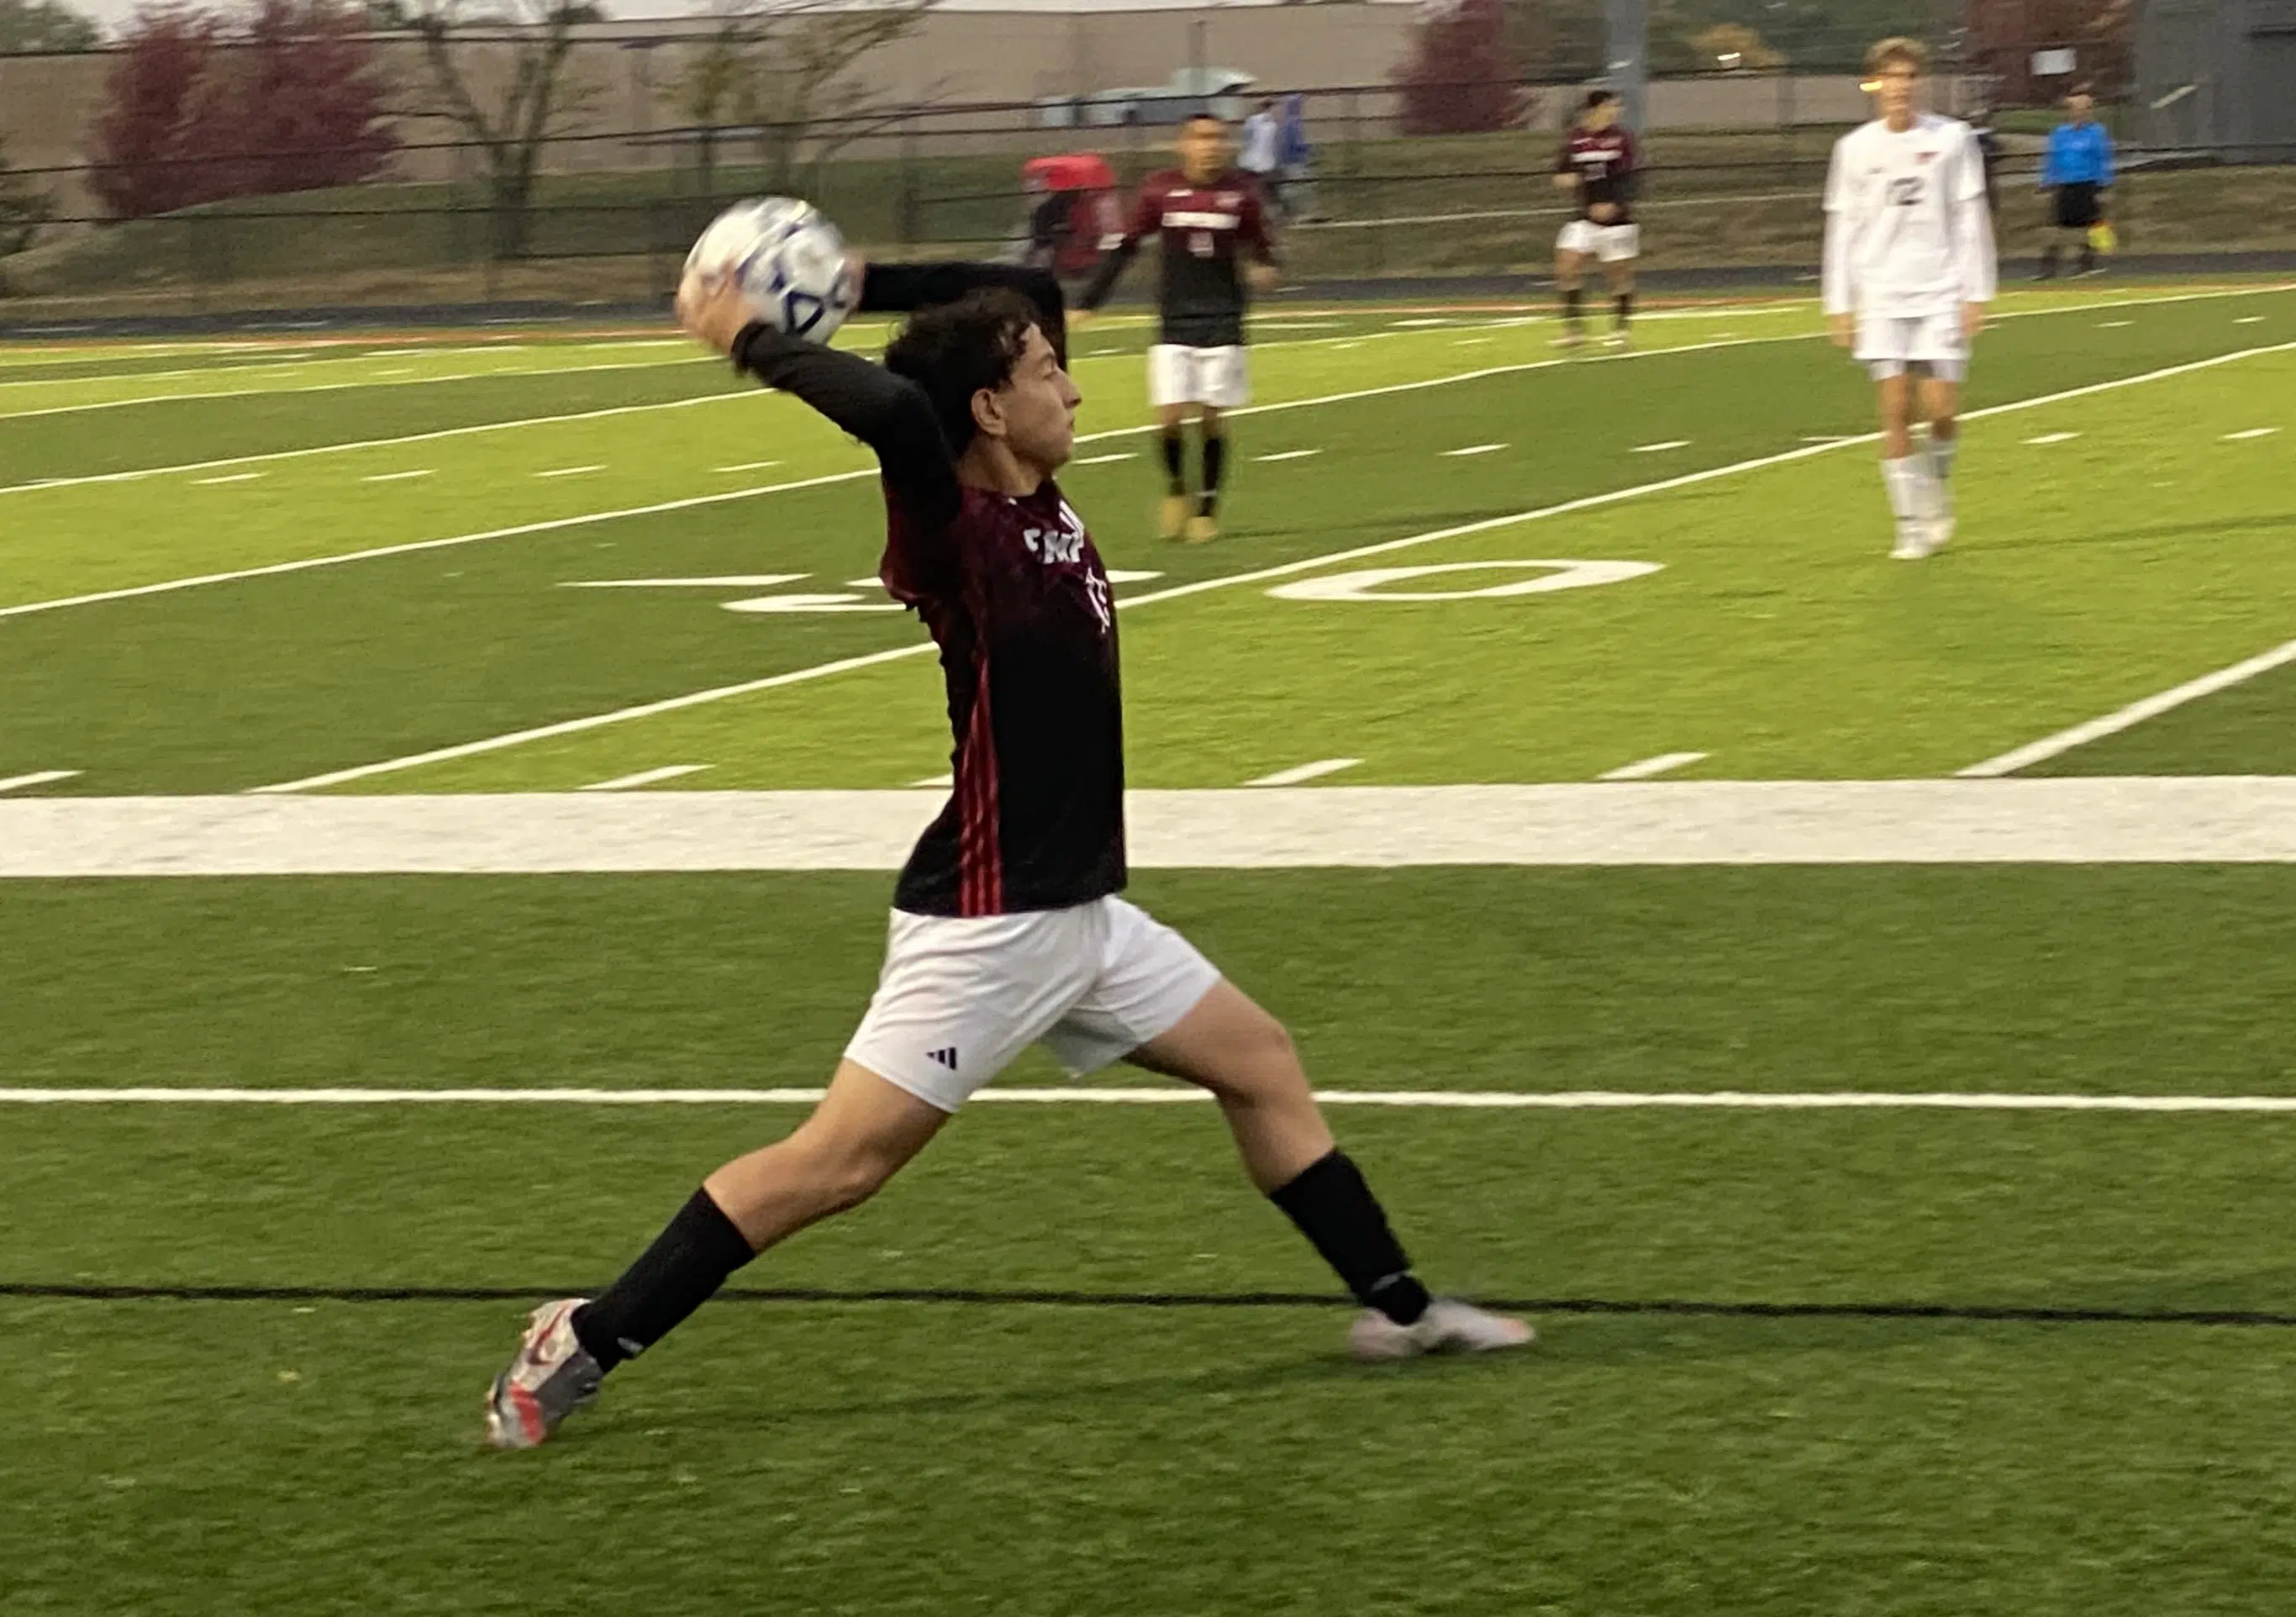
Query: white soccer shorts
x: 1219, y: 377
x: 1611, y: 243
x: 1887, y: 344
x: 961, y: 997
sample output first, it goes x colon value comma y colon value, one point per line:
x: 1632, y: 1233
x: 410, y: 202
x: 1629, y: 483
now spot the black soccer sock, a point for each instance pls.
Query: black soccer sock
x: 684, y: 1267
x: 1175, y: 462
x: 1573, y: 303
x: 1624, y: 303
x: 1215, y: 465
x: 1342, y: 1220
x: 2049, y: 261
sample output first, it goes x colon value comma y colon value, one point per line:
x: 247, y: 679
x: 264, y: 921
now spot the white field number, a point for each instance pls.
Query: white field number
x: 1371, y: 583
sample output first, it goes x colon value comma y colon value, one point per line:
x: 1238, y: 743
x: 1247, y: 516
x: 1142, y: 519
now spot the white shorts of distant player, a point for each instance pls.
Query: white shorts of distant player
x: 961, y: 997
x: 1611, y: 243
x: 1889, y: 345
x: 1219, y: 377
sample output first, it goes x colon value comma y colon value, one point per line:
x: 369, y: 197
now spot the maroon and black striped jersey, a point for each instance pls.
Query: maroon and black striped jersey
x: 1205, y: 231
x: 1606, y: 161
x: 1014, y: 595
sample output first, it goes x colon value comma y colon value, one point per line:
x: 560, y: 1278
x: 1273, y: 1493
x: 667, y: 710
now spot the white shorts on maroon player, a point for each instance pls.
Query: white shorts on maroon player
x: 1219, y: 377
x: 962, y: 996
x: 1611, y: 243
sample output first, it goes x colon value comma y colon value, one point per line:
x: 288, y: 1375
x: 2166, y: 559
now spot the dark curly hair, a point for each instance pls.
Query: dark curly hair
x: 956, y: 349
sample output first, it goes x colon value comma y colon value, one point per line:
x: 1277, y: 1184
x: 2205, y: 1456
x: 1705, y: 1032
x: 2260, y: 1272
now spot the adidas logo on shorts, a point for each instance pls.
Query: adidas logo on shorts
x: 946, y: 1058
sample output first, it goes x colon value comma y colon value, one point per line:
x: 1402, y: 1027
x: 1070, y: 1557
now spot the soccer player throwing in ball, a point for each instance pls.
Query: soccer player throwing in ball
x: 1007, y: 929
x: 1599, y: 164
x: 1909, y: 268
x: 1208, y: 215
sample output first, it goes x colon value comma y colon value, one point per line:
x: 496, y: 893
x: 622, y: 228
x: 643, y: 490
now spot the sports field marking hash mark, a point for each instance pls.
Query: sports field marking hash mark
x: 2046, y: 438
x: 644, y: 777
x: 2252, y: 432
x: 1593, y: 502
x: 1474, y: 450
x: 1286, y: 455
x: 1665, y: 763
x: 1671, y: 443
x: 1306, y: 772
x: 38, y: 777
x: 398, y: 477
x: 237, y: 477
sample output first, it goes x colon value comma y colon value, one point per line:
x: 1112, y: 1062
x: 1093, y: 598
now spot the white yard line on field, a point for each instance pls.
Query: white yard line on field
x: 1580, y: 825
x: 375, y: 380
x: 1476, y: 1100
x: 137, y: 474
x: 1588, y: 503
x: 341, y: 558
x: 2135, y: 713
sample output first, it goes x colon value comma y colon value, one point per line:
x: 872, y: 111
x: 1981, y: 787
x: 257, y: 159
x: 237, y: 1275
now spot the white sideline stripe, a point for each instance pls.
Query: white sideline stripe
x: 2134, y: 713
x: 38, y: 777
x: 1588, y: 503
x: 340, y: 558
x: 1306, y: 772
x: 1472, y: 1100
x: 644, y: 777
x: 1585, y: 824
x: 1660, y: 764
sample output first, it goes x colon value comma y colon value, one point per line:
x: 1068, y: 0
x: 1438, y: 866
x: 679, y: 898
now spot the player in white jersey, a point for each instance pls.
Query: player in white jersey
x: 1909, y: 268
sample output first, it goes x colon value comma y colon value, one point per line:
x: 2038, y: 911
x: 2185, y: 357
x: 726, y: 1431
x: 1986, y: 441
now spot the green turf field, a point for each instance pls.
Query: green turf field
x: 1940, y: 1351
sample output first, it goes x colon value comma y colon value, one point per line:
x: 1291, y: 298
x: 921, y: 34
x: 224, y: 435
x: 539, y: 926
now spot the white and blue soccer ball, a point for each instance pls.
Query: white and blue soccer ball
x: 788, y: 260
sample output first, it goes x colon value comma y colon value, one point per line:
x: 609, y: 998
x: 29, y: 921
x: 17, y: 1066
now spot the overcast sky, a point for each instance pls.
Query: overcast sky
x: 111, y: 12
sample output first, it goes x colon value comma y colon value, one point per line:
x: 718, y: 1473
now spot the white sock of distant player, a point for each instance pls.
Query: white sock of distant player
x: 1942, y: 452
x: 1910, y: 489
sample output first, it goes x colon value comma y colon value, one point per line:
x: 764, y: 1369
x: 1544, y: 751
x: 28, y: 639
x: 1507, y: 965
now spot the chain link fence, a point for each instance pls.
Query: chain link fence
x: 1736, y: 167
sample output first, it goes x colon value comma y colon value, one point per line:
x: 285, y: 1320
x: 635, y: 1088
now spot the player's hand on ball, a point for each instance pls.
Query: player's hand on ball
x: 713, y: 310
x: 1843, y: 329
x: 1973, y: 320
x: 1264, y: 278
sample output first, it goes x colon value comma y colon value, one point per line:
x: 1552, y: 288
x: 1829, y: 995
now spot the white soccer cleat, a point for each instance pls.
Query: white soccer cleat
x: 1448, y: 1326
x: 1939, y: 535
x: 1913, y: 540
x: 552, y: 1376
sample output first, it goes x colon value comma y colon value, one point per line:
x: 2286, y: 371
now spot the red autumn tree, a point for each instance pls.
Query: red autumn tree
x: 196, y: 112
x: 1463, y: 77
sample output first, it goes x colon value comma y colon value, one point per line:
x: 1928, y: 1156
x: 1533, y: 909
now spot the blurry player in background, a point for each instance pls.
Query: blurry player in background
x: 1207, y: 215
x: 1909, y: 268
x: 1600, y: 162
x: 2077, y: 174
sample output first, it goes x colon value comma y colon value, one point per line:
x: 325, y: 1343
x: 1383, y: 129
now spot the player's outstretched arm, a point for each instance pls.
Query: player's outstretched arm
x: 900, y: 288
x: 890, y: 413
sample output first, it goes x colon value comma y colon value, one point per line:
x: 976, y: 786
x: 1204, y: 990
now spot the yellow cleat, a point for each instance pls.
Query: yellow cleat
x: 1172, y: 519
x: 1201, y: 531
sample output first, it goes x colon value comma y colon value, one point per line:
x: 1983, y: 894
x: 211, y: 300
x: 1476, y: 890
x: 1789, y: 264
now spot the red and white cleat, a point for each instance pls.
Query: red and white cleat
x: 552, y: 1376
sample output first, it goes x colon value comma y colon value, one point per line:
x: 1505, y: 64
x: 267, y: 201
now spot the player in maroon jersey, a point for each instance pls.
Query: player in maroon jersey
x: 1206, y: 215
x: 1006, y: 930
x: 1599, y: 163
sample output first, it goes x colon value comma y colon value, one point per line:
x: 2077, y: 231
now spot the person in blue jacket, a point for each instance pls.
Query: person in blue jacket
x: 2077, y: 171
